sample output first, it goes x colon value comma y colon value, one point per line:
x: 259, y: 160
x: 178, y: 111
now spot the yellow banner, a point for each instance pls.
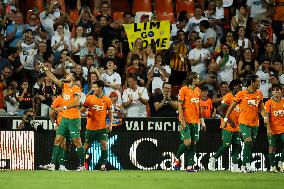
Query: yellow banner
x: 157, y: 33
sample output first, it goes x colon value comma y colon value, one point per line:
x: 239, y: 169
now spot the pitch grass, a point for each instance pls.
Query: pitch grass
x: 138, y: 179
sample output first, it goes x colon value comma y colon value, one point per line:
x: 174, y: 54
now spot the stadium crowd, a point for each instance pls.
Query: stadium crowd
x: 220, y: 44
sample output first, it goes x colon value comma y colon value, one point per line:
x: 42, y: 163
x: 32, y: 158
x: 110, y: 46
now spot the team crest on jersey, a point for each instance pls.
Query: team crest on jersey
x: 195, y: 100
x: 278, y: 113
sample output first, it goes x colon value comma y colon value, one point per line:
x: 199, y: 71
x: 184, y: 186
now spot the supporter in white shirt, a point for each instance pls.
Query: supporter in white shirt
x: 159, y: 73
x: 193, y: 22
x: 28, y: 50
x: 79, y: 41
x: 135, y: 99
x: 243, y: 42
x: 255, y: 7
x: 264, y: 78
x: 59, y: 41
x: 180, y: 25
x: 47, y: 18
x: 210, y: 39
x: 112, y: 80
x: 227, y: 66
x: 198, y: 57
x: 150, y: 53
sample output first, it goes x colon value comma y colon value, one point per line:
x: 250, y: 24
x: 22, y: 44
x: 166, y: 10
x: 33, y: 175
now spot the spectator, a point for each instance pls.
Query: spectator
x: 240, y: 19
x: 59, y: 42
x: 278, y: 67
x: 117, y: 110
x: 15, y: 31
x: 138, y: 50
x: 86, y: 20
x: 25, y: 97
x: 165, y: 103
x: 159, y: 73
x: 178, y: 59
x: 256, y: 7
x: 207, y: 109
x: 102, y: 23
x: 210, y: 40
x: 230, y: 40
x: 137, y: 70
x: 271, y: 52
x: 111, y: 79
x: 135, y: 99
x: 116, y: 44
x: 93, y: 76
x: 150, y: 54
x: 264, y: 75
x: 194, y: 22
x: 274, y: 80
x: 223, y: 90
x: 12, y: 104
x: 48, y: 19
x: 38, y: 30
x: 198, y: 57
x: 247, y: 64
x: 108, y: 33
x: 227, y: 66
x: 105, y: 11
x: 112, y: 55
x: 180, y: 25
x: 78, y: 42
x: 2, y: 87
x: 44, y: 96
x: 243, y: 42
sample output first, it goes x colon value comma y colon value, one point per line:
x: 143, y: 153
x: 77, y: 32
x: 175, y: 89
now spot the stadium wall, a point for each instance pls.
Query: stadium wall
x: 140, y: 143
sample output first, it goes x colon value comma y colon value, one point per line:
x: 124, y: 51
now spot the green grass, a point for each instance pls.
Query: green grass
x: 138, y: 179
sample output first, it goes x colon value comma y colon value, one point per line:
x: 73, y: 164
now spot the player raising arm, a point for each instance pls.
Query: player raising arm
x: 231, y: 131
x: 275, y: 126
x: 99, y: 106
x: 189, y: 116
x: 70, y: 124
x: 250, y: 101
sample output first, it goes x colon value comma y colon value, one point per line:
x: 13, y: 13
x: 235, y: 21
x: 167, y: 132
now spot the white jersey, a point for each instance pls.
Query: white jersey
x: 265, y: 84
x: 195, y: 54
x: 193, y: 24
x: 114, y: 78
x: 158, y: 77
x: 227, y: 71
x: 27, y: 55
x: 136, y: 108
x: 78, y: 41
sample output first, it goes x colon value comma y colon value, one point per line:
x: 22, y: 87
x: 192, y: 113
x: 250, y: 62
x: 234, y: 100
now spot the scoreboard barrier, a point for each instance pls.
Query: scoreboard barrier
x: 140, y: 143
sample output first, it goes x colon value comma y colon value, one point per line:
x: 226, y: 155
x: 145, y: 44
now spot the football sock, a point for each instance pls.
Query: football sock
x: 191, y: 154
x: 180, y: 151
x: 221, y: 151
x: 247, y: 152
x: 62, y: 156
x: 81, y: 154
x: 236, y: 150
x: 271, y: 159
x: 104, y: 156
x: 55, y: 154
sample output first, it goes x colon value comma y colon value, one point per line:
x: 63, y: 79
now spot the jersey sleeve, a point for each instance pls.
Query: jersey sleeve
x: 76, y: 90
x: 181, y: 95
x: 87, y: 102
x: 268, y: 106
x: 56, y: 103
x: 226, y: 100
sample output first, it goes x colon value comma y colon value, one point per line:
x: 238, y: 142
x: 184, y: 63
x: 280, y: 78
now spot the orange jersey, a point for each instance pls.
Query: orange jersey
x: 98, y: 107
x: 228, y: 99
x: 249, y: 106
x: 68, y: 94
x: 276, y: 115
x: 206, y: 108
x: 57, y: 102
x: 190, y: 104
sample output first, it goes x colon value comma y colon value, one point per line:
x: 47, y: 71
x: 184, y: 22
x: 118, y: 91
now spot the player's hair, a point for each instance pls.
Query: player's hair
x: 276, y: 86
x: 190, y: 77
x: 251, y: 79
x: 100, y: 84
x: 234, y: 83
x: 75, y: 76
x: 204, y: 88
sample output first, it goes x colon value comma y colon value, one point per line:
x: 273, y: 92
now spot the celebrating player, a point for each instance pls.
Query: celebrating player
x: 98, y: 107
x: 189, y: 116
x: 231, y: 131
x: 275, y: 125
x: 70, y: 124
x: 250, y: 101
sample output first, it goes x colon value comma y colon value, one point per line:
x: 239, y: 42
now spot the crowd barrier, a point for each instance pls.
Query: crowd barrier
x: 140, y: 143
